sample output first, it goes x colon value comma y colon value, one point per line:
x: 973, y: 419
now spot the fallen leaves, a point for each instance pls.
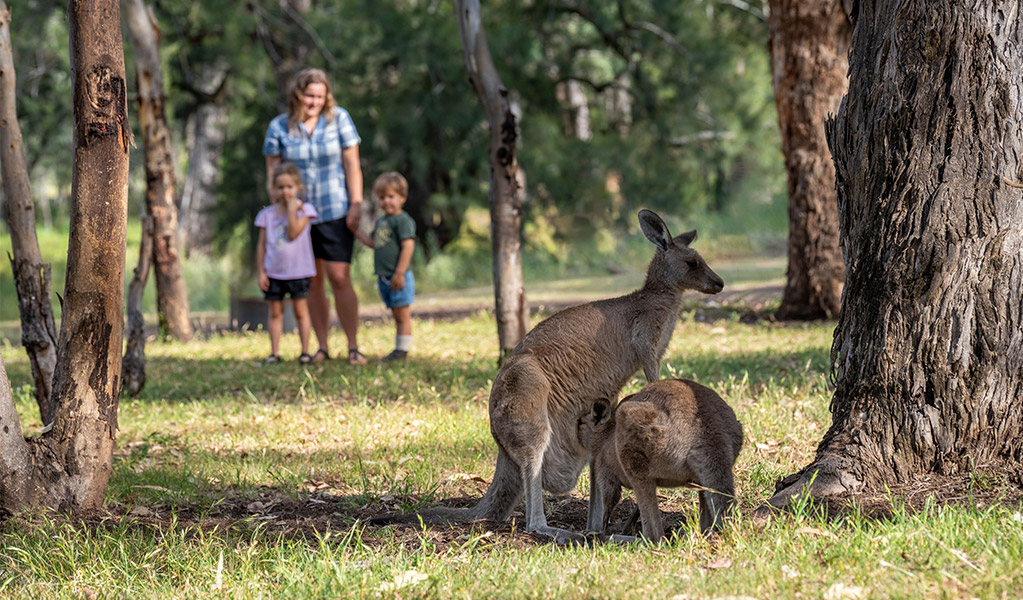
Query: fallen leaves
x: 403, y: 579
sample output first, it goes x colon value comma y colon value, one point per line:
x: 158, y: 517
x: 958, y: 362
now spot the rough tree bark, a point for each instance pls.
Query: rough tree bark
x: 171, y: 294
x: 133, y: 365
x: 507, y: 192
x: 207, y: 127
x: 809, y: 63
x: 928, y: 351
x: 31, y: 276
x: 69, y: 467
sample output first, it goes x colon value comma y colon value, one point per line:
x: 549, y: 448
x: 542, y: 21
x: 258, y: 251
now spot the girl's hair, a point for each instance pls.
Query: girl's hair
x: 391, y: 181
x: 301, y: 80
x: 291, y: 170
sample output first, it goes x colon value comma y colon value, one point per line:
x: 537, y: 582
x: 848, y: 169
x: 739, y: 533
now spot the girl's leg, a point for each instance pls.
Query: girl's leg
x: 276, y: 325
x: 301, y: 308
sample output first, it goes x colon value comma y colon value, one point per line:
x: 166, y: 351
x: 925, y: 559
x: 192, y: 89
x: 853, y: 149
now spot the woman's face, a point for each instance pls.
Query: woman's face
x: 313, y: 98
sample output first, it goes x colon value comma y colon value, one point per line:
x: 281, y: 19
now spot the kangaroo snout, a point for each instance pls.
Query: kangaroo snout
x: 715, y: 285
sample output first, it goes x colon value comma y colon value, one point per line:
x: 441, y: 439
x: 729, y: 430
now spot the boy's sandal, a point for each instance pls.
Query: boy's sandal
x: 357, y: 358
x: 304, y: 358
x: 271, y: 360
x: 320, y: 356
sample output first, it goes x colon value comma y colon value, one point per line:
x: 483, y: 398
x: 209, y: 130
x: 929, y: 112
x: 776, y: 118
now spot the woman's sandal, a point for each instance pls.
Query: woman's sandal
x: 320, y: 356
x: 273, y: 359
x: 304, y: 358
x: 357, y: 358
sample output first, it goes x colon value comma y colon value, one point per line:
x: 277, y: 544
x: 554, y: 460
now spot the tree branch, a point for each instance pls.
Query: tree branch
x: 747, y: 7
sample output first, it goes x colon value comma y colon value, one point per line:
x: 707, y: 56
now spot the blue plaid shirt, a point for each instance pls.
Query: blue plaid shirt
x: 319, y: 158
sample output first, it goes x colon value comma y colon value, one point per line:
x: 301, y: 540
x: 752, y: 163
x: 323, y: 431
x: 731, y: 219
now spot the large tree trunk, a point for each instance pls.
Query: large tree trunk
x: 507, y: 192
x: 206, y: 126
x: 69, y: 467
x: 809, y: 46
x: 171, y: 295
x: 31, y: 276
x: 928, y: 351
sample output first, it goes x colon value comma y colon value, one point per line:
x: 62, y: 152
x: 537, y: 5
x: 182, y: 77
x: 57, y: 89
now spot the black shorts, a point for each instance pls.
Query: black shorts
x: 333, y: 241
x: 279, y: 288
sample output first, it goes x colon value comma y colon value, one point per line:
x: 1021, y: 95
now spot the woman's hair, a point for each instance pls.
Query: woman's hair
x: 391, y: 181
x: 291, y: 170
x: 301, y: 80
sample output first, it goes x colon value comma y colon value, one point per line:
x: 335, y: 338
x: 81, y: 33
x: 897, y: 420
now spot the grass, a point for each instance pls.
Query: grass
x: 235, y: 480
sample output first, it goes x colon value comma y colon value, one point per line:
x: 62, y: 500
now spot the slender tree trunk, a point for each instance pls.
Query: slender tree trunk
x: 289, y: 55
x: 507, y: 192
x: 809, y: 61
x: 207, y: 127
x: 69, y: 467
x: 928, y: 351
x: 171, y: 295
x: 31, y: 276
x: 576, y: 107
x: 133, y: 366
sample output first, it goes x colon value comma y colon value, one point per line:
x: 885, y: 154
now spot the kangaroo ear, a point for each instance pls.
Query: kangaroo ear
x: 654, y: 229
x: 687, y: 238
x: 601, y: 411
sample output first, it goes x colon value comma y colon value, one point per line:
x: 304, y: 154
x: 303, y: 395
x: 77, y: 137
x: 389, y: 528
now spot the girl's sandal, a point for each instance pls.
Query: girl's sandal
x: 357, y: 358
x: 273, y: 359
x: 320, y: 356
x: 304, y: 358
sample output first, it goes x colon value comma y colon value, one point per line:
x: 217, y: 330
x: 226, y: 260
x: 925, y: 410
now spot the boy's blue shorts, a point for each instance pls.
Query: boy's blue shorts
x: 397, y: 299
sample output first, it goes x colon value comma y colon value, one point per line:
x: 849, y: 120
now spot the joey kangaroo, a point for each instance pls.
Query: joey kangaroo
x: 672, y: 433
x: 565, y: 364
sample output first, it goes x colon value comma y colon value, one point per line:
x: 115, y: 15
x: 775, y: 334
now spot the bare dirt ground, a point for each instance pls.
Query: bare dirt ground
x: 324, y: 508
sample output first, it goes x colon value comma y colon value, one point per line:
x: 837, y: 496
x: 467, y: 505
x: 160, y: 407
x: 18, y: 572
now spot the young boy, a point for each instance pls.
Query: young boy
x: 284, y: 256
x: 393, y: 243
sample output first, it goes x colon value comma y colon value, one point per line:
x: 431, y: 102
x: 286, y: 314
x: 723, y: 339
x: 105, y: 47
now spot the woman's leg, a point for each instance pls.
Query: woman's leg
x: 319, y: 309
x: 346, y: 303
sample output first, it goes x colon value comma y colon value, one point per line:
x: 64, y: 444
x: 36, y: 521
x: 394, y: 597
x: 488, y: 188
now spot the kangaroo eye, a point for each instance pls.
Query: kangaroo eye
x: 692, y: 264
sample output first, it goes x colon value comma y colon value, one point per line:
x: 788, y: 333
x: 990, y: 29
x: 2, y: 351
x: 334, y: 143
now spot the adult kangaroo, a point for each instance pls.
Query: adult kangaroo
x: 562, y: 367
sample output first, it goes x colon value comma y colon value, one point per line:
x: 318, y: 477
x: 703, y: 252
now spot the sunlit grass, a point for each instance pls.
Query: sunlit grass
x: 214, y: 427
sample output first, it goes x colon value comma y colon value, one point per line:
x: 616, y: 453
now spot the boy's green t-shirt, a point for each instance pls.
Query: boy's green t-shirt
x: 388, y: 233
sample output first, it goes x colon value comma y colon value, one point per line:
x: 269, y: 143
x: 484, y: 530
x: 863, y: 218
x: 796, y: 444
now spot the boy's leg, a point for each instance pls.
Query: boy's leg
x: 276, y: 325
x: 403, y: 327
x: 301, y: 308
x: 403, y: 314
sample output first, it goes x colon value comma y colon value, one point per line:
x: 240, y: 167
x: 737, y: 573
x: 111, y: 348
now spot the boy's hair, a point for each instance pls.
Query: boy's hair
x: 301, y: 80
x: 391, y: 181
x: 291, y: 169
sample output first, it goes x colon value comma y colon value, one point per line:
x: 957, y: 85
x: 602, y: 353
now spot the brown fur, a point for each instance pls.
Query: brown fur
x: 565, y: 364
x: 672, y: 433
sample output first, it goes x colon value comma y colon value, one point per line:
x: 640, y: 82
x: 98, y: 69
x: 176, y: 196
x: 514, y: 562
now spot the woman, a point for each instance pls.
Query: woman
x: 320, y: 137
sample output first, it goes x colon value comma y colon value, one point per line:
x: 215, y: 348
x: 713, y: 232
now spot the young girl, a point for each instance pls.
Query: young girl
x: 284, y: 256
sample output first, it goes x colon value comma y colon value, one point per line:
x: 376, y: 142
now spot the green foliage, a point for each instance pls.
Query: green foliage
x: 679, y: 99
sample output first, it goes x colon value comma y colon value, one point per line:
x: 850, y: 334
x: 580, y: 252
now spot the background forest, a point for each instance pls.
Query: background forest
x: 617, y: 114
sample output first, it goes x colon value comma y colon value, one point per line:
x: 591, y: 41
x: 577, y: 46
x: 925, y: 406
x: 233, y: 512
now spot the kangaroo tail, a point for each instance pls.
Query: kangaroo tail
x: 434, y: 516
x: 504, y: 493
